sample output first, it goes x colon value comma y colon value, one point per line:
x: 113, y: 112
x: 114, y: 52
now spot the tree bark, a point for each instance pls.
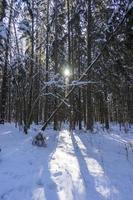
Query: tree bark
x: 89, y: 124
x: 4, y: 87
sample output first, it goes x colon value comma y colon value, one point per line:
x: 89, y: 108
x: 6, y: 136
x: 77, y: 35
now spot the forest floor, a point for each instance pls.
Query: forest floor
x: 73, y: 166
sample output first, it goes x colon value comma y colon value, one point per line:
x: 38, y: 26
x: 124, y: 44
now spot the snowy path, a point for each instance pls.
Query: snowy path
x: 74, y: 166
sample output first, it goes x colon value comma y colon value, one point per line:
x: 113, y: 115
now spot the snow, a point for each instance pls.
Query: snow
x: 130, y: 6
x: 74, y: 166
x: 25, y: 26
x: 3, y: 31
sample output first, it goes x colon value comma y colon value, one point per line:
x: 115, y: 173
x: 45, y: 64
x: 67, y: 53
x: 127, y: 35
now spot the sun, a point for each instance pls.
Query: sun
x: 66, y: 72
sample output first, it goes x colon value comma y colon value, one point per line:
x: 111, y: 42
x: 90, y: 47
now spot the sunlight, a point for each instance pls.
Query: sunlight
x: 102, y: 182
x: 67, y: 72
x: 66, y: 177
x: 39, y: 194
x: 6, y: 133
x: 95, y: 168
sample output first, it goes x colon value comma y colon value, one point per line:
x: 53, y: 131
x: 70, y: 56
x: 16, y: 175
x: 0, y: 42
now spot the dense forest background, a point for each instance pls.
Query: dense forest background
x: 47, y: 45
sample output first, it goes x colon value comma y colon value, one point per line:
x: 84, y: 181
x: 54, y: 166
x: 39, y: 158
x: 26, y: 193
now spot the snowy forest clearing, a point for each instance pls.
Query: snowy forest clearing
x: 73, y: 166
x: 66, y: 63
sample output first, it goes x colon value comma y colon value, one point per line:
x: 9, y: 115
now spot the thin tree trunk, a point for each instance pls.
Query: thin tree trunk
x: 56, y: 65
x: 89, y: 87
x: 31, y: 69
x: 4, y: 87
x: 47, y: 63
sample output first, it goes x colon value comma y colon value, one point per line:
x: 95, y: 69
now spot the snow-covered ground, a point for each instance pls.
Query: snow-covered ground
x: 74, y: 166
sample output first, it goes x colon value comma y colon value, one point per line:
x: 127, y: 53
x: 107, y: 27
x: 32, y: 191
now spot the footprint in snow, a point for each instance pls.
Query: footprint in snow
x: 40, y: 182
x: 60, y: 146
x: 57, y: 174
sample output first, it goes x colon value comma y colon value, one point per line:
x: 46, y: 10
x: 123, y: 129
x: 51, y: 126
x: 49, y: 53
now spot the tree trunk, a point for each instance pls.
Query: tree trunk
x: 4, y: 87
x: 89, y: 87
x: 56, y: 65
x: 47, y: 63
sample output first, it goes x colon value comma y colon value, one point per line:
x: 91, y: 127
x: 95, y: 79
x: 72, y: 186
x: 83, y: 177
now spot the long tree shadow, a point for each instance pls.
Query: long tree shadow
x: 45, y: 183
x: 88, y: 180
x: 90, y: 146
x: 104, y: 157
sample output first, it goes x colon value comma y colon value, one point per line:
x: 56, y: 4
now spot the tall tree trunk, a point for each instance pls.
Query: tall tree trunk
x: 72, y: 103
x: 79, y: 74
x: 4, y: 87
x: 69, y: 36
x: 47, y: 63
x: 89, y: 87
x: 29, y: 119
x: 56, y: 64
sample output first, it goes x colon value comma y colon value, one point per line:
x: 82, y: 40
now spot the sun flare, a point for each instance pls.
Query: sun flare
x: 66, y: 72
